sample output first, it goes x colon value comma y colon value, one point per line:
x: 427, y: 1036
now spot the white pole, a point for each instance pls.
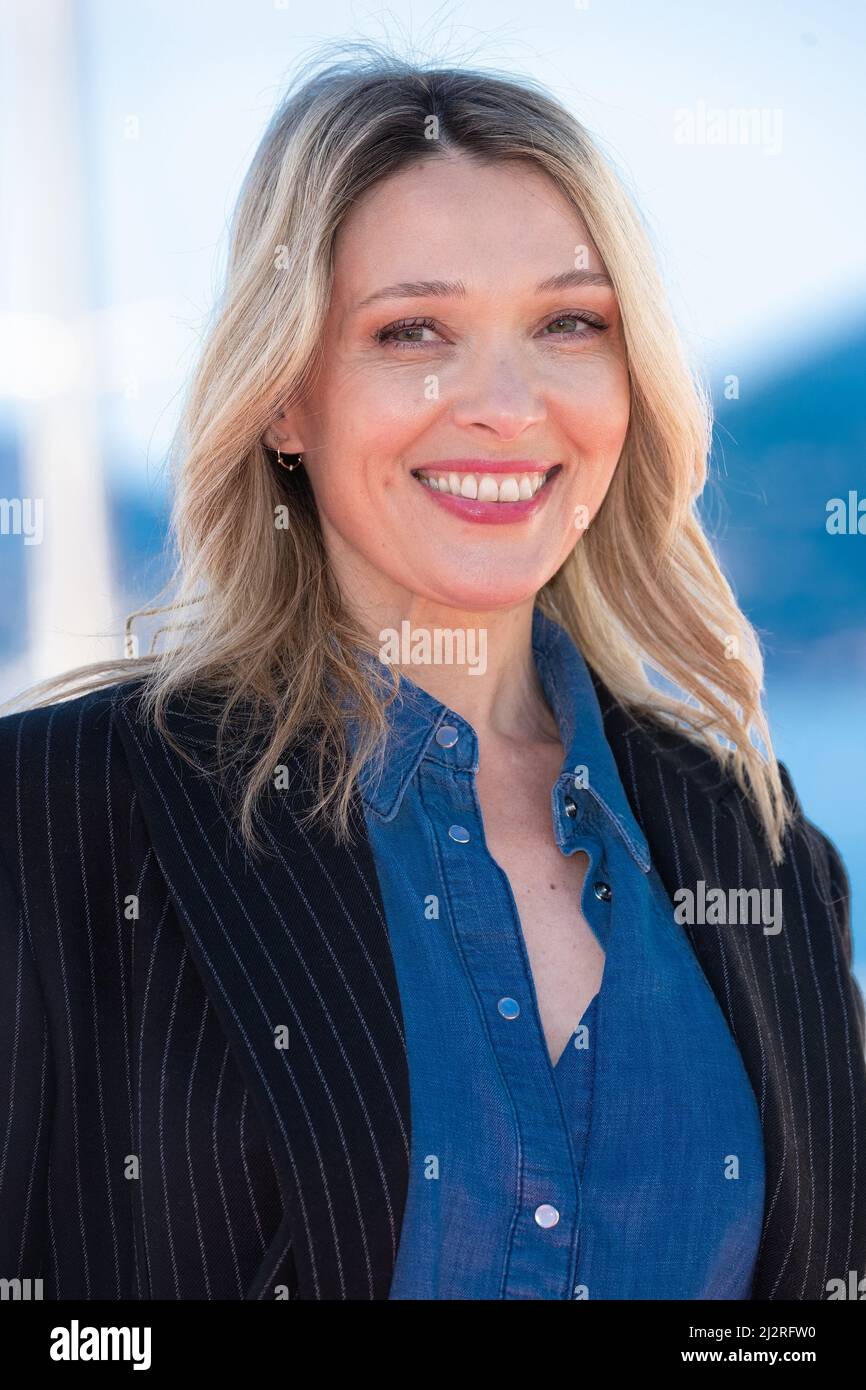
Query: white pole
x: 70, y: 593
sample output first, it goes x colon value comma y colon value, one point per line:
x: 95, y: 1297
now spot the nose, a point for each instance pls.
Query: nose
x: 498, y: 393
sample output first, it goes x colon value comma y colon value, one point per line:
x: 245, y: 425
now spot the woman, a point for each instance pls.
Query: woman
x: 389, y: 934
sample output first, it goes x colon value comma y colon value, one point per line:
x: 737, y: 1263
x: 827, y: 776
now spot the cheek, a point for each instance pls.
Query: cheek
x: 597, y: 423
x: 371, y: 407
x: 598, y: 411
x: 360, y: 424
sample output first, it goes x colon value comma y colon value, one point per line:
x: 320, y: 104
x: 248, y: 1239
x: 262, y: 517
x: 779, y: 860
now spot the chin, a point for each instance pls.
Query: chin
x: 483, y: 598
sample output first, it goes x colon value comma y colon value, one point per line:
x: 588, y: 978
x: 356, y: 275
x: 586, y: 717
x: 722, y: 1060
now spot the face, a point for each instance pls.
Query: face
x: 508, y: 395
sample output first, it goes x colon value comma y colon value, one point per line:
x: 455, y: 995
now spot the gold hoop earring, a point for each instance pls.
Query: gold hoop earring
x: 289, y: 467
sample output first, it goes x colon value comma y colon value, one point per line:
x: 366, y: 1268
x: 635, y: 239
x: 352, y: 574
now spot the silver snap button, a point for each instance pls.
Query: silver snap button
x: 546, y: 1215
x: 570, y: 807
x: 446, y: 735
x: 509, y: 1008
x: 459, y: 833
x: 603, y: 891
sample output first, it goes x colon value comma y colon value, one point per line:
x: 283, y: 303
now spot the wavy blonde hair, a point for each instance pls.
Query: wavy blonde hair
x: 258, y: 627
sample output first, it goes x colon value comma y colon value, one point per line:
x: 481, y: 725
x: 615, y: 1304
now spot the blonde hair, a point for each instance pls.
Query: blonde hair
x: 259, y: 627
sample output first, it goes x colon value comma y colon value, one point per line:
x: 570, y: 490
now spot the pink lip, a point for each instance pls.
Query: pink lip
x: 495, y: 513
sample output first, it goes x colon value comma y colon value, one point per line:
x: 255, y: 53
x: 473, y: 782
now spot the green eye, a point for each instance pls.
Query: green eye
x: 586, y: 324
x: 389, y: 334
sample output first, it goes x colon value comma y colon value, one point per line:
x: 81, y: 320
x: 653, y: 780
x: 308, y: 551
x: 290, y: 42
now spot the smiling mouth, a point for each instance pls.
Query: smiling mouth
x: 504, y: 488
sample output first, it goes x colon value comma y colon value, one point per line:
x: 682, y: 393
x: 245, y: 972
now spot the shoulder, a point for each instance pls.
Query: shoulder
x: 655, y: 753
x: 663, y: 762
x: 714, y: 811
x: 682, y: 793
x: 80, y: 725
x: 73, y: 839
x: 50, y: 754
x: 651, y: 744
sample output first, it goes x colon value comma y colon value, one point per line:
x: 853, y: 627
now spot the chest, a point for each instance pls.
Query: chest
x: 565, y: 957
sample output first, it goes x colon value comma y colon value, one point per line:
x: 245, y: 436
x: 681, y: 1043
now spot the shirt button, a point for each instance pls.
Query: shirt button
x: 459, y: 833
x: 546, y: 1215
x: 570, y: 807
x: 509, y: 1008
x: 602, y: 891
x: 446, y: 736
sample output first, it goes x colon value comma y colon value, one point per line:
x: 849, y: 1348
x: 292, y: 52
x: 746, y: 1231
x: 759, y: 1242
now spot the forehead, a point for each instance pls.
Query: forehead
x: 457, y: 217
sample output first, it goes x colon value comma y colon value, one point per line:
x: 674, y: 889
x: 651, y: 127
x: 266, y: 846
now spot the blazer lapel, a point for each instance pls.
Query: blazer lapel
x: 293, y: 952
x: 788, y: 997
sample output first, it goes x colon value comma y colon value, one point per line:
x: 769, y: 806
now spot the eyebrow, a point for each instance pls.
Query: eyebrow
x: 455, y: 289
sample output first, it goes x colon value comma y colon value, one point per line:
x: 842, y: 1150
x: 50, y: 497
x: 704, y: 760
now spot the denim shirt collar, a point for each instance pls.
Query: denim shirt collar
x: 421, y: 727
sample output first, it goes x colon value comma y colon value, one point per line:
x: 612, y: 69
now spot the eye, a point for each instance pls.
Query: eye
x: 389, y: 334
x: 591, y: 323
x: 586, y: 325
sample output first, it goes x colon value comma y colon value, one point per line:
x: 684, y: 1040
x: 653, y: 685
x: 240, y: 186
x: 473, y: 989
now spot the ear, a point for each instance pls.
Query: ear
x: 282, y: 433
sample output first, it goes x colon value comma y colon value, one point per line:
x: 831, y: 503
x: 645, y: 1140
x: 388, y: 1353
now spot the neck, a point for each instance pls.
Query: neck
x: 479, y: 664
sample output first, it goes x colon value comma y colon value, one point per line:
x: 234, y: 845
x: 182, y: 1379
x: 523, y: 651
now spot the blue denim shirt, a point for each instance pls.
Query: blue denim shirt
x: 633, y: 1168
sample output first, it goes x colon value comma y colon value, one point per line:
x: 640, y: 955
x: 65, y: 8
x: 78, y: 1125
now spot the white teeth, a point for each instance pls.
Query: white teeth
x: 484, y: 486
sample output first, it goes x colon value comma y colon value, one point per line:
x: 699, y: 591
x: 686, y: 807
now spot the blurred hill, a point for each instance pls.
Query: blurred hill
x: 780, y: 453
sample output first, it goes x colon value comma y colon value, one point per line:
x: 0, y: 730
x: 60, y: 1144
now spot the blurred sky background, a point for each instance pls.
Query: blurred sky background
x: 126, y: 130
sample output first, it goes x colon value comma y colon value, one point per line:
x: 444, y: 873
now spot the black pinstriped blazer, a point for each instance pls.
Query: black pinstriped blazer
x: 155, y: 1142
